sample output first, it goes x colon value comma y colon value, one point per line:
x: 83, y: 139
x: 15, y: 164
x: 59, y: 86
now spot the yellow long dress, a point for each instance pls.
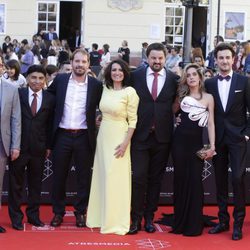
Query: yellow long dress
x: 110, y: 194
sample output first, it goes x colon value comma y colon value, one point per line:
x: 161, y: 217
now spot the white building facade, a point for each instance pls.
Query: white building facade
x: 137, y: 21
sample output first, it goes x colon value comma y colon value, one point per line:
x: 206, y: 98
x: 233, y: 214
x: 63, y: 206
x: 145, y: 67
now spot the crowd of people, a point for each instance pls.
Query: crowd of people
x: 52, y: 110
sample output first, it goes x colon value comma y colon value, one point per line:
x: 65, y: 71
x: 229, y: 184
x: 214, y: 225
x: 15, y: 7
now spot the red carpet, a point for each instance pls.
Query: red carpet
x: 68, y: 237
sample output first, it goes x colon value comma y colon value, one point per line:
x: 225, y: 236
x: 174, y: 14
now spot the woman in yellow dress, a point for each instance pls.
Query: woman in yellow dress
x: 110, y: 194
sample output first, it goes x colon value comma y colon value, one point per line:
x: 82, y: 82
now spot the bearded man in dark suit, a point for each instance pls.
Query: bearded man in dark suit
x: 74, y: 134
x: 156, y: 88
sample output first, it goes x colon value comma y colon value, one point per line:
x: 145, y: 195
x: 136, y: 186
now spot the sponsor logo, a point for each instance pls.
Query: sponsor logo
x: 169, y: 169
x: 206, y: 170
x: 47, y: 172
x: 152, y: 244
x: 100, y: 244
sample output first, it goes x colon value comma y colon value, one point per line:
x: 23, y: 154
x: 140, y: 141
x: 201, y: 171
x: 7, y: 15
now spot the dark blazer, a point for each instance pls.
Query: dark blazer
x: 233, y: 121
x: 158, y: 112
x: 46, y: 36
x: 59, y: 89
x: 35, y: 137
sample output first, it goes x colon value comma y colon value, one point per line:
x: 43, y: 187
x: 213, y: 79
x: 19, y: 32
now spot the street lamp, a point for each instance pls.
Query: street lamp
x: 189, y: 4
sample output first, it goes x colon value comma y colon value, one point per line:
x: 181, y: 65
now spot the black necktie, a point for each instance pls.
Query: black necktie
x: 221, y: 78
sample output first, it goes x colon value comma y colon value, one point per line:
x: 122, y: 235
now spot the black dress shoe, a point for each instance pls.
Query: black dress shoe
x: 18, y: 226
x: 2, y: 230
x: 149, y: 226
x: 80, y: 220
x: 134, y: 228
x: 221, y: 227
x: 36, y: 222
x: 237, y: 234
x: 56, y: 221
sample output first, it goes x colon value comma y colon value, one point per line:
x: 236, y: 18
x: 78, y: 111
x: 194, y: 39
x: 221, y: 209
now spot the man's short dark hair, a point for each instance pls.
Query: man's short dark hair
x: 156, y: 46
x: 223, y: 46
x: 95, y: 46
x: 24, y: 41
x: 36, y: 68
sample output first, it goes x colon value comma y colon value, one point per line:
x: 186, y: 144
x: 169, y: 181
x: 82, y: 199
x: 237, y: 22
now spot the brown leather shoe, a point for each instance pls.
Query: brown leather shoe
x: 80, y: 220
x: 56, y: 221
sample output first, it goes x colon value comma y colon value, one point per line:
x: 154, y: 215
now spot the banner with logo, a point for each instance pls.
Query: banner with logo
x: 166, y: 196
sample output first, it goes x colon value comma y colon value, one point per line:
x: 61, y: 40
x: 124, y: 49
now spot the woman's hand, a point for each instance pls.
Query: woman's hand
x: 210, y: 153
x: 120, y: 150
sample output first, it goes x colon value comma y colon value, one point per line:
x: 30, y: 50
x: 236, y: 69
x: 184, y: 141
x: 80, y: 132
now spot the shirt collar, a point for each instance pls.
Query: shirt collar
x: 161, y: 72
x: 39, y: 93
x: 230, y: 74
x: 79, y: 83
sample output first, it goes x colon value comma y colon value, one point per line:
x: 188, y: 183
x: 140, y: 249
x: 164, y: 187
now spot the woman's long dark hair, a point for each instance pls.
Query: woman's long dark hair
x: 125, y: 69
x: 14, y: 64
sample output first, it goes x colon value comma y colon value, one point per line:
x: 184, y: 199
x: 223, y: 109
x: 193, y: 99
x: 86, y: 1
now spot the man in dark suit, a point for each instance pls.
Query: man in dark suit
x: 37, y: 108
x: 51, y: 35
x: 231, y: 94
x: 77, y: 96
x: 75, y: 40
x: 156, y: 88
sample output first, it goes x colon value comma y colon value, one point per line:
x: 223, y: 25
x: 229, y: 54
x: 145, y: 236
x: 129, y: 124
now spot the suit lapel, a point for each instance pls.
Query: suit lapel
x: 145, y: 86
x: 231, y: 92
x: 3, y: 96
x: 25, y: 98
x: 89, y: 92
x: 216, y: 93
x: 164, y: 87
x: 43, y: 101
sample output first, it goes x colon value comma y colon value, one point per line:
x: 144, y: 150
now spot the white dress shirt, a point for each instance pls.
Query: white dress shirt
x: 39, y: 98
x: 223, y: 88
x: 74, y: 113
x: 161, y: 79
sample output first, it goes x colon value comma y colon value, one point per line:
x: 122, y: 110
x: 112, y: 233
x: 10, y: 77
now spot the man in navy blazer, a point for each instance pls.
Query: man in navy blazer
x: 151, y: 140
x: 51, y: 35
x: 231, y: 94
x: 74, y: 134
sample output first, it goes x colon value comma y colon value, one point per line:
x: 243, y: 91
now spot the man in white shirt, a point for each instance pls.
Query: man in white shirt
x: 37, y: 108
x: 77, y: 96
x: 231, y: 94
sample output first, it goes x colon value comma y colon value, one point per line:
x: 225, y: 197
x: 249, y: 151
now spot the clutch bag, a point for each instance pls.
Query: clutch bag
x: 202, y: 152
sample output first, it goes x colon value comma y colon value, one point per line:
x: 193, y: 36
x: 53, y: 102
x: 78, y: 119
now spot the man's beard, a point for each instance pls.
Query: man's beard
x: 81, y: 73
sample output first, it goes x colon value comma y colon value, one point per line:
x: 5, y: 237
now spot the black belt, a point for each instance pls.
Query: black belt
x: 73, y: 131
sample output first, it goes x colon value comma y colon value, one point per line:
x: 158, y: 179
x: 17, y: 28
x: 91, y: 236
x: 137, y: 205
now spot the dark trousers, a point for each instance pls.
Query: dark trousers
x: 236, y: 153
x: 149, y: 161
x: 70, y: 145
x: 35, y: 166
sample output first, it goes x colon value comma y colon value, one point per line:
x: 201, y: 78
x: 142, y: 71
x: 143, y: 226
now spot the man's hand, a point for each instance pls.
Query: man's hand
x: 14, y: 154
x: 177, y: 120
x: 98, y: 121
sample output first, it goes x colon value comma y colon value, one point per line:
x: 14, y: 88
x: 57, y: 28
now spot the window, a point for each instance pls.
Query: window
x: 47, y: 16
x: 174, y: 24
